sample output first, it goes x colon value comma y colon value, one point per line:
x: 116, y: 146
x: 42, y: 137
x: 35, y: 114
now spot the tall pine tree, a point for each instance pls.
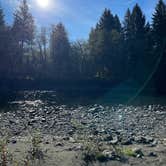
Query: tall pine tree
x: 134, y: 35
x: 104, y: 44
x: 23, y: 34
x: 159, y: 33
x: 2, y: 43
x: 60, y: 49
x: 23, y: 27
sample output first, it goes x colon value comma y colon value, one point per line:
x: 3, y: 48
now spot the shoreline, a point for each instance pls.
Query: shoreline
x: 65, y: 133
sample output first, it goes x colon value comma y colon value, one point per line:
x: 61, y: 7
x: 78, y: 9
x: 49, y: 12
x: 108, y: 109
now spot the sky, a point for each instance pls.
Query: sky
x: 78, y: 16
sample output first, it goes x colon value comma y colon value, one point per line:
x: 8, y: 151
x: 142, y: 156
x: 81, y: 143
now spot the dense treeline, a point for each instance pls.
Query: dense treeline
x: 133, y: 49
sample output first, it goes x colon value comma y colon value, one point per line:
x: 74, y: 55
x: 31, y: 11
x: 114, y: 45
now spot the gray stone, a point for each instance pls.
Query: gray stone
x: 109, y: 154
x: 72, y: 140
x: 114, y: 140
x: 143, y: 140
x: 59, y: 144
x: 138, y: 152
x: 152, y: 154
x: 43, y: 120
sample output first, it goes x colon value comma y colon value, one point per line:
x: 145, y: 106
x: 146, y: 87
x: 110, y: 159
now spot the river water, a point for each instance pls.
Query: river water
x: 76, y: 98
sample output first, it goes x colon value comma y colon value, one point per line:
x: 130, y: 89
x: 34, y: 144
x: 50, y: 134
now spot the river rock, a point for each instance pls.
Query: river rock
x: 152, y: 154
x: 111, y: 155
x: 138, y: 152
x: 114, y: 140
x: 143, y: 140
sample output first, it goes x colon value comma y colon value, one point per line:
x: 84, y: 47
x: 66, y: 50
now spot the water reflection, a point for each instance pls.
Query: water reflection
x: 37, y: 99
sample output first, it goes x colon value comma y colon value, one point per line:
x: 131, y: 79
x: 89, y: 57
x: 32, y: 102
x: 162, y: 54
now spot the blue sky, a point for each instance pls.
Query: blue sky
x: 78, y: 16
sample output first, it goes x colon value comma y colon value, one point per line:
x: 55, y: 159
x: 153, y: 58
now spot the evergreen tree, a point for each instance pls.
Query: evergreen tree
x: 23, y: 34
x: 134, y: 35
x: 159, y: 33
x: 159, y: 22
x: 2, y: 41
x: 106, y: 21
x: 23, y: 27
x: 60, y: 49
x: 104, y: 42
x: 117, y: 24
x: 127, y: 25
x: 6, y: 58
x: 2, y: 21
x: 127, y: 44
x: 42, y: 41
x: 138, y: 21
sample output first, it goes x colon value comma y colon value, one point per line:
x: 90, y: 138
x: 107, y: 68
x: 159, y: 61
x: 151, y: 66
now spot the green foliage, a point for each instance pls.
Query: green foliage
x: 128, y: 152
x: 113, y: 51
x: 135, y: 43
x: 81, y: 61
x: 60, y: 49
x: 104, y: 44
x: 91, y: 151
x: 159, y: 22
x: 35, y: 153
x: 159, y: 36
x: 137, y: 21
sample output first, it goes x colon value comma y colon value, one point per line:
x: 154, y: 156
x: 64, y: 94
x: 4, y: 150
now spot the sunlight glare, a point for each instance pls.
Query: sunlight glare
x: 43, y: 3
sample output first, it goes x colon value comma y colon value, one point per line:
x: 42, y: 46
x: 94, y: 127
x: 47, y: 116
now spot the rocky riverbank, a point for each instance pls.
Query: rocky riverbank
x: 82, y: 135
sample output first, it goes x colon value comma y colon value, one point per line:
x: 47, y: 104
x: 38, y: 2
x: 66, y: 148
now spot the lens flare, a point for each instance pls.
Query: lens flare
x: 43, y: 3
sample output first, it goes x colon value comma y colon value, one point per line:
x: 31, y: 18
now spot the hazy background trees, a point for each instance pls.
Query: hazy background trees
x: 131, y: 49
x: 23, y: 35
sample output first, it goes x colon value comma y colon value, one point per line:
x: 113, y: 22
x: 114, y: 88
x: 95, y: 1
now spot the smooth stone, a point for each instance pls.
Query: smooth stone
x: 109, y: 154
x: 115, y: 140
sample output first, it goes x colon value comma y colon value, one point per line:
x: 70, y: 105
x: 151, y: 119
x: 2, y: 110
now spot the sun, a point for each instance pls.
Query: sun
x: 43, y: 3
